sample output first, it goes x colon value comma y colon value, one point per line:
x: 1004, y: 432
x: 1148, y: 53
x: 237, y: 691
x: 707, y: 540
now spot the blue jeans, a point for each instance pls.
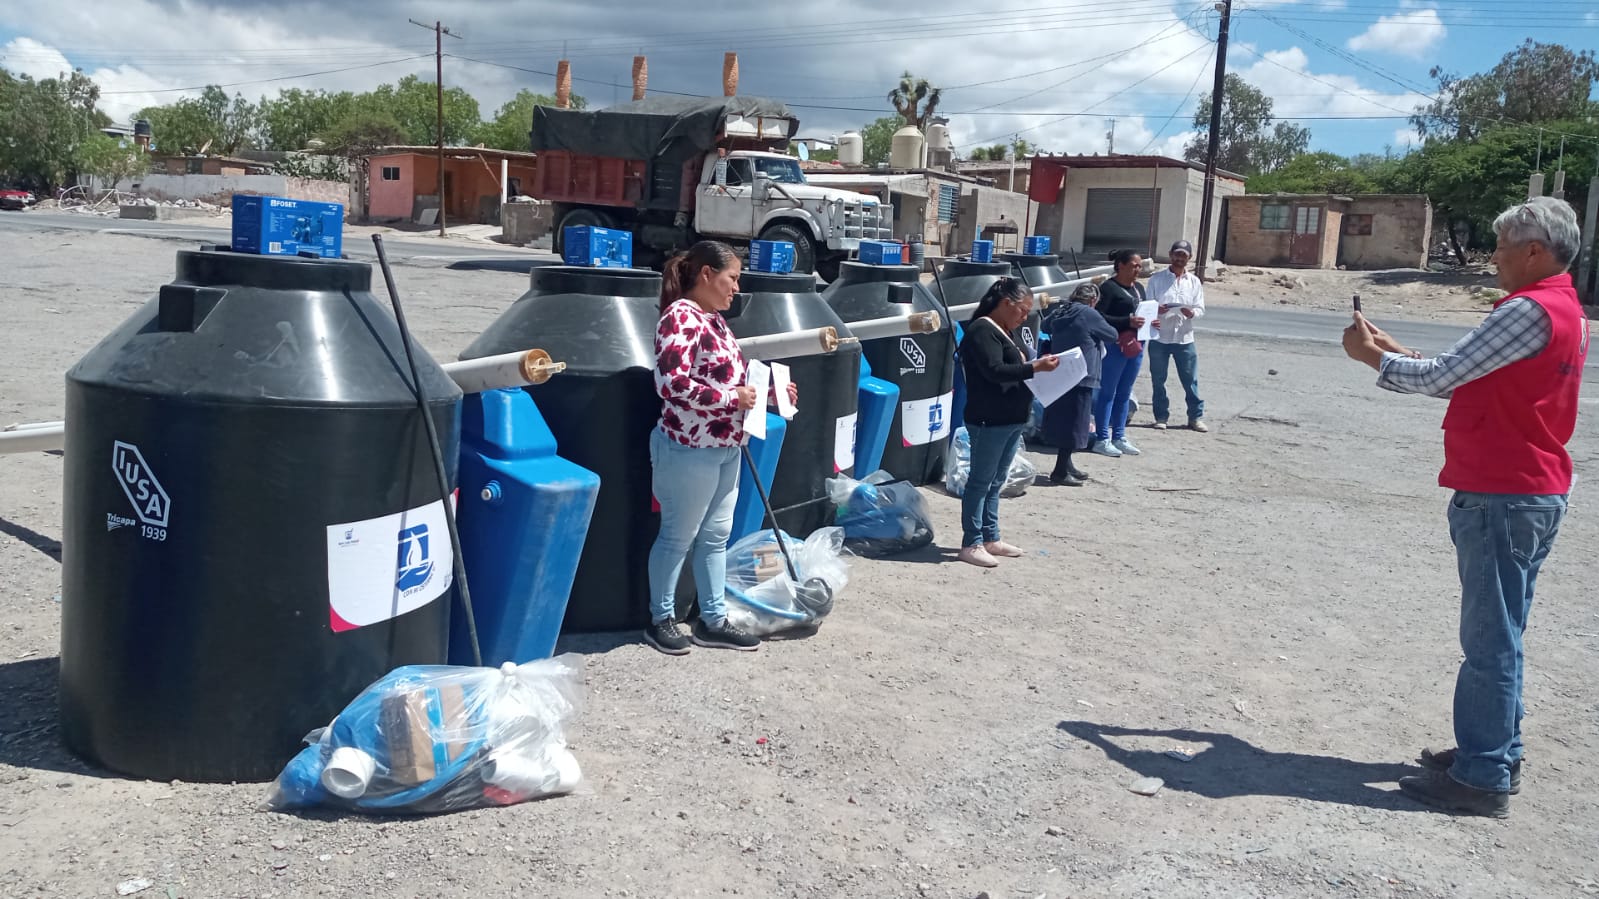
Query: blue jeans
x: 993, y: 448
x: 697, y: 488
x: 1187, y: 358
x: 1115, y: 389
x: 1500, y: 541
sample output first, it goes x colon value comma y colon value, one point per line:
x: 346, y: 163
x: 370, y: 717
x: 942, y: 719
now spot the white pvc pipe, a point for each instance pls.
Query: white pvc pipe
x: 40, y: 437
x: 27, y: 425
x: 896, y: 326
x: 815, y: 342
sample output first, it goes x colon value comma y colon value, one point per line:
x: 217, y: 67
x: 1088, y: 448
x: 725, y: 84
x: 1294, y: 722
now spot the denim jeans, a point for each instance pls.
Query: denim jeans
x: 1187, y: 358
x: 993, y: 448
x: 697, y: 488
x: 1500, y: 541
x: 1115, y: 389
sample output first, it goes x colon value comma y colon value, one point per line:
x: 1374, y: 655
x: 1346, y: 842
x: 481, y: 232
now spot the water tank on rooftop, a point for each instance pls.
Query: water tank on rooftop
x: 908, y: 149
x: 851, y: 149
x: 252, y: 527
x: 141, y: 128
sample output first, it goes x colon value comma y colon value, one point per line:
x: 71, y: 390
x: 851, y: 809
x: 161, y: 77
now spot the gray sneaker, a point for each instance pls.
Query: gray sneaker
x: 1106, y: 448
x: 668, y: 637
x: 725, y: 635
x: 1126, y: 446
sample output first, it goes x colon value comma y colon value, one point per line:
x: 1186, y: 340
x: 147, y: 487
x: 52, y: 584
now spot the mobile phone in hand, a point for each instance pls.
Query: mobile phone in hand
x: 1357, y: 302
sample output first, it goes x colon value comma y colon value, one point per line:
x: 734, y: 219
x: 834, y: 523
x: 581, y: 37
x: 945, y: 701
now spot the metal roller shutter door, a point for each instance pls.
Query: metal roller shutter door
x: 1120, y: 218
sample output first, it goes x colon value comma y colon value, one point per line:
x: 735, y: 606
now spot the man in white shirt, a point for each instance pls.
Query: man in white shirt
x: 1181, y: 296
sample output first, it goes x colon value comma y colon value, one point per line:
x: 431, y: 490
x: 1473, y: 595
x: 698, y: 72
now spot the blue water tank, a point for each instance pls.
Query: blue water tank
x: 523, y: 515
x: 749, y: 515
x: 877, y: 401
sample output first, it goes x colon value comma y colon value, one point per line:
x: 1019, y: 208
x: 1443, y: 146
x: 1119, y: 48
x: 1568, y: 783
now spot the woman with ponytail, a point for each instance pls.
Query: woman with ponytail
x: 694, y: 451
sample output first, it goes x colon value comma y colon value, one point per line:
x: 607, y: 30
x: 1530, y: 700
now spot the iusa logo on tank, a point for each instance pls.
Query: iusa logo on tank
x: 1030, y: 340
x: 415, y: 566
x: 912, y: 351
x: 149, y: 499
x: 381, y: 568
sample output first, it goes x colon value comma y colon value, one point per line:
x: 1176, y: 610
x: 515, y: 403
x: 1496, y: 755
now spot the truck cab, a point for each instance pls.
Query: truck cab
x: 748, y: 195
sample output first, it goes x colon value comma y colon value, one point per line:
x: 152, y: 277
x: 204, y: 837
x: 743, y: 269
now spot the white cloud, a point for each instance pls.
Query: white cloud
x: 1409, y: 32
x: 1406, y: 137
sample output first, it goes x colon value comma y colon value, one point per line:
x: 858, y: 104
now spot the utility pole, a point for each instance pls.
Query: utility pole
x: 1225, y: 7
x: 1110, y: 139
x: 439, y: 31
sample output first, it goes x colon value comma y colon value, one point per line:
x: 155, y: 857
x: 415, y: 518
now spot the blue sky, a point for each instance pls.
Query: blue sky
x: 1055, y: 74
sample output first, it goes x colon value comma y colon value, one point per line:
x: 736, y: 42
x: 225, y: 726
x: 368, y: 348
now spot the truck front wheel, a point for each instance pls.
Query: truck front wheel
x: 804, y: 248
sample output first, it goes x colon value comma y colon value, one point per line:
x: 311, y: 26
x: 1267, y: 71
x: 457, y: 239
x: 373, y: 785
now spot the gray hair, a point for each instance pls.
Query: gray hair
x: 1546, y: 220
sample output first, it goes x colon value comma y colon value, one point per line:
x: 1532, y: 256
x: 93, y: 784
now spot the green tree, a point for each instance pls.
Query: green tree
x: 1314, y: 173
x: 295, y: 117
x: 915, y: 99
x: 877, y: 138
x: 412, y: 105
x: 509, y: 128
x: 1535, y: 83
x: 1252, y: 141
x: 47, y: 125
x: 111, y: 161
x: 1022, y: 148
x: 210, y: 123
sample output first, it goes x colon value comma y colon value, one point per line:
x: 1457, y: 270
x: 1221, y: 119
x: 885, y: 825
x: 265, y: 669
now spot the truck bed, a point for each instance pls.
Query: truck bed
x: 565, y: 177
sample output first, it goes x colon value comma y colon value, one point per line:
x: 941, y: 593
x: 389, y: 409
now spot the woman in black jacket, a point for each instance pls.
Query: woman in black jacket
x: 997, y: 407
x: 1118, y: 303
x: 1066, y: 421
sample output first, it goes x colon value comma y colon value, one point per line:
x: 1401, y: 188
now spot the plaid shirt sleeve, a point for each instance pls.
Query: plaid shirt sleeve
x: 1517, y: 330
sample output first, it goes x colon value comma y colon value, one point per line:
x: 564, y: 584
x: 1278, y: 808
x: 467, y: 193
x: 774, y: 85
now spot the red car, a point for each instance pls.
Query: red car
x: 16, y: 199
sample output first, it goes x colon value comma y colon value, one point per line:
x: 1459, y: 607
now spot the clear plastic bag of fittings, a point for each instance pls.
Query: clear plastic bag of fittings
x: 765, y: 599
x: 879, y: 515
x: 958, y: 467
x: 426, y: 739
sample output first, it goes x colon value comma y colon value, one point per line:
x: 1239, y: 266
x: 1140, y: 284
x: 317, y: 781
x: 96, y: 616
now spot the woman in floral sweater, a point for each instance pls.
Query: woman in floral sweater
x: 699, y: 373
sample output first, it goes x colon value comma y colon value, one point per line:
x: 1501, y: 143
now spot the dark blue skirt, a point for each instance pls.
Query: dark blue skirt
x: 1066, y: 421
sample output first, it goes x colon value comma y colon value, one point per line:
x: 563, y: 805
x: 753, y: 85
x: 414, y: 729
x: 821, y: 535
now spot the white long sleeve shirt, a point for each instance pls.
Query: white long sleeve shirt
x: 1168, y: 289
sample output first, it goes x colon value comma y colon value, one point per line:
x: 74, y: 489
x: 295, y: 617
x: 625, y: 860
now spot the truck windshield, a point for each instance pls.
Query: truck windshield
x: 783, y: 171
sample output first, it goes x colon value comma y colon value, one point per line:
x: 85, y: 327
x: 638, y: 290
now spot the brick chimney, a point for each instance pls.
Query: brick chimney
x: 730, y: 75
x: 641, y: 76
x: 563, y: 84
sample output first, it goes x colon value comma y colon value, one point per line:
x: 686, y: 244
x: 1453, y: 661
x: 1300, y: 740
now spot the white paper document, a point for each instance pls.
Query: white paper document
x: 1050, y: 386
x: 780, y: 391
x: 1148, y: 310
x: 759, y: 377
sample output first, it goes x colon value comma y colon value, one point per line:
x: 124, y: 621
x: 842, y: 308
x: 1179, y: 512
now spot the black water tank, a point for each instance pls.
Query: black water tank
x: 601, y: 323
x: 921, y: 364
x: 253, y: 530
x: 1040, y: 272
x: 962, y: 282
x: 829, y: 387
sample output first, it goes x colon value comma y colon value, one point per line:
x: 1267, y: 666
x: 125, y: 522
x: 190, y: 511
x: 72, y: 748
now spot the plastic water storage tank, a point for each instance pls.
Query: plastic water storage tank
x: 851, y: 149
x: 820, y: 440
x: 252, y: 530
x: 960, y: 283
x: 907, y: 149
x: 922, y: 365
x: 1040, y: 272
x: 601, y: 323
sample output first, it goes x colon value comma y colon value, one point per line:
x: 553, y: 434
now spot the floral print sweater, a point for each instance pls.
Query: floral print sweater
x: 698, y: 367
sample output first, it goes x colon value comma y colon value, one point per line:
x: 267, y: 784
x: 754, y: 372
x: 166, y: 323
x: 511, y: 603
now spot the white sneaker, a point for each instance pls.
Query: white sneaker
x: 976, y: 555
x: 1105, y: 448
x: 1160, y: 426
x: 1126, y: 446
x: 1198, y: 424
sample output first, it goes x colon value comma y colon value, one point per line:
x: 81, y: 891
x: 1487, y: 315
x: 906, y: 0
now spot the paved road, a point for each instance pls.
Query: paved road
x: 402, y: 249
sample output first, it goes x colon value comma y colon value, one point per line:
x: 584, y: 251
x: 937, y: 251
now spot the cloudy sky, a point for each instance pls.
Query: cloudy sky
x: 1056, y: 74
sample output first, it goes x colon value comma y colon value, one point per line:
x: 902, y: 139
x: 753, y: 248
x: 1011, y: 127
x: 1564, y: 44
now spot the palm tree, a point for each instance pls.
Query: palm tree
x: 909, y: 99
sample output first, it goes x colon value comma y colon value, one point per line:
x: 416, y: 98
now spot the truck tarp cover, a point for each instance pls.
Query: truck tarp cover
x: 648, y: 127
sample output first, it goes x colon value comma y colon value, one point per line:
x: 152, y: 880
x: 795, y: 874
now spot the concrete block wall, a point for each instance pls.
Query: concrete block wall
x: 1400, y: 229
x: 219, y: 189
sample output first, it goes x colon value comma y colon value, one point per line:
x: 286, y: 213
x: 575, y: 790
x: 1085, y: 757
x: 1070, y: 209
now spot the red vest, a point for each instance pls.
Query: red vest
x: 1506, y: 432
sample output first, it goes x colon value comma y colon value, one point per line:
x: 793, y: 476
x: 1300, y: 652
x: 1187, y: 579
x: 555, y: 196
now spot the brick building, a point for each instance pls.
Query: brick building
x: 1362, y: 231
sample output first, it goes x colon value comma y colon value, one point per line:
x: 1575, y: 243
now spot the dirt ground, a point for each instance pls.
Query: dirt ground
x: 1455, y: 296
x: 1276, y: 597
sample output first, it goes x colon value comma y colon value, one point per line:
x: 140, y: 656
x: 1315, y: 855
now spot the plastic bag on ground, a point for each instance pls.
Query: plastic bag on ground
x: 762, y: 597
x: 440, y: 738
x: 958, y: 467
x: 879, y: 515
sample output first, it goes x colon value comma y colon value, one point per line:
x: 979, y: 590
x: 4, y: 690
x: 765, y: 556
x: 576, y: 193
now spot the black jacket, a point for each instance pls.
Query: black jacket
x: 1117, y: 303
x: 995, y: 369
x: 1078, y: 325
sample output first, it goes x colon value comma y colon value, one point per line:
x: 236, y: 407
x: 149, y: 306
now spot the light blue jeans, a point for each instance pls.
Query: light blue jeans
x: 1500, y: 542
x: 1186, y: 355
x: 697, y: 488
x: 993, y: 448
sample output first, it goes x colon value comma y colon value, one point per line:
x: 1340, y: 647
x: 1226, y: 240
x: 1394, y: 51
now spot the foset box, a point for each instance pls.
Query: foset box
x: 278, y: 226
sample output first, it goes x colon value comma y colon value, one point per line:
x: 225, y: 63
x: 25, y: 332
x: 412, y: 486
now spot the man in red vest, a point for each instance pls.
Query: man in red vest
x: 1512, y: 386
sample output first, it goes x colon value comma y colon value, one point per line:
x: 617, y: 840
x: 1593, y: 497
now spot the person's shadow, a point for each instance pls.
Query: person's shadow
x: 1231, y: 767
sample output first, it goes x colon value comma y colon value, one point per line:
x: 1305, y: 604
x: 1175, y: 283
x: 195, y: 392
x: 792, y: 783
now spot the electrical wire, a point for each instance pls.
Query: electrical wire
x: 1183, y: 105
x: 175, y: 90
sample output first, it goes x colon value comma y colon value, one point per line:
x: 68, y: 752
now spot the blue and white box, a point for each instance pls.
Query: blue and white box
x: 982, y: 251
x: 279, y: 226
x: 1037, y: 245
x: 774, y: 256
x: 597, y: 247
x: 882, y: 252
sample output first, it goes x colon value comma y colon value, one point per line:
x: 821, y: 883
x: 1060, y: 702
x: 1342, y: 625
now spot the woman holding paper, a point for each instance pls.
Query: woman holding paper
x: 1075, y: 325
x: 694, y: 451
x: 998, y: 403
x: 1120, y: 301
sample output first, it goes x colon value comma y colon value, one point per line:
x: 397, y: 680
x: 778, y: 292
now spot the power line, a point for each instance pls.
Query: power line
x: 1180, y: 106
x: 175, y: 90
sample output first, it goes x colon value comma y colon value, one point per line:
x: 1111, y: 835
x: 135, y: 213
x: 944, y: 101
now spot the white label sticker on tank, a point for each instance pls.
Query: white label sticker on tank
x: 844, y: 442
x: 925, y: 421
x: 382, y: 568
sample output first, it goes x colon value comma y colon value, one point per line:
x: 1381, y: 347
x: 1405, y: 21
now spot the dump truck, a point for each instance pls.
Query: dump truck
x: 674, y: 170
